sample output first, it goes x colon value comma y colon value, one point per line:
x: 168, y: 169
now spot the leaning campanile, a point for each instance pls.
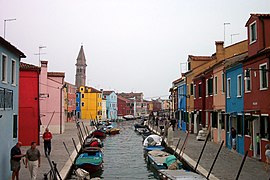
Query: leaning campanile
x: 80, y: 69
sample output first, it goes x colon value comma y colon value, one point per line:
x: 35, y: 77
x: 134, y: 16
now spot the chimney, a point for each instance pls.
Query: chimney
x: 44, y: 63
x: 220, y: 53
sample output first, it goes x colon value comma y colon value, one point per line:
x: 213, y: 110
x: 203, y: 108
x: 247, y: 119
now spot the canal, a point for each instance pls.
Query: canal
x: 123, y: 155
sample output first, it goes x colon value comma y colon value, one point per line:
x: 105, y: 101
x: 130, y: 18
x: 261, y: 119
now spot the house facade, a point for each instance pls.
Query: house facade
x: 256, y: 85
x: 78, y: 105
x: 91, y: 103
x: 182, y: 106
x: 104, y: 110
x: 9, y: 102
x: 29, y: 120
x: 124, y: 106
x: 111, y: 104
x: 51, y: 96
x: 70, y: 101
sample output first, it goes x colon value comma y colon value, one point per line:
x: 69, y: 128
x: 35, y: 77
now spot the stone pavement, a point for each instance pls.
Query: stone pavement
x: 227, y: 163
x: 58, y: 154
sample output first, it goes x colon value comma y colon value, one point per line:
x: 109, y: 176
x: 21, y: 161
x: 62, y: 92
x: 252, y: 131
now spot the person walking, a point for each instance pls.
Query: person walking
x: 33, y: 160
x: 47, y: 137
x: 15, y: 160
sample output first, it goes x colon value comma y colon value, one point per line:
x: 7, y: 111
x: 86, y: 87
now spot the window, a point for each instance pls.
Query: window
x: 216, y: 85
x: 228, y: 88
x: 2, y: 98
x: 253, y: 32
x: 82, y: 103
x: 206, y: 88
x: 82, y: 95
x: 223, y: 82
x: 214, y: 119
x: 263, y: 76
x: 194, y: 91
x: 200, y: 90
x: 4, y: 68
x: 8, y: 99
x: 77, y: 104
x: 189, y: 66
x: 240, y: 124
x: 191, y: 89
x: 13, y: 72
x: 239, y: 85
x: 247, y: 81
x: 264, y: 127
x: 15, y: 126
x: 210, y: 86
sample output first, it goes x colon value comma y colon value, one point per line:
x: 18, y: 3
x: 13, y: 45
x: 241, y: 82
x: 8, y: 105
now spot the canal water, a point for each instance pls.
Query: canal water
x: 123, y: 155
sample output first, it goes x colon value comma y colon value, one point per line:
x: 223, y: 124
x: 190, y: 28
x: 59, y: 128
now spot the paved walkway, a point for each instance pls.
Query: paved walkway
x: 59, y: 154
x: 227, y: 164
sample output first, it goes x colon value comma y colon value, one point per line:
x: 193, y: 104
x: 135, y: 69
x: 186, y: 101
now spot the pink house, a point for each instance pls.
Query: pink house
x: 51, y: 100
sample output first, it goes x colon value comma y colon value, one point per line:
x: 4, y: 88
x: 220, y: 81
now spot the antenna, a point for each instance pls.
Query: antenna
x: 39, y: 53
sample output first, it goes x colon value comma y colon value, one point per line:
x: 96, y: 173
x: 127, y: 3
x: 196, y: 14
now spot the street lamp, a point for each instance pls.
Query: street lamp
x: 226, y: 23
x: 5, y: 20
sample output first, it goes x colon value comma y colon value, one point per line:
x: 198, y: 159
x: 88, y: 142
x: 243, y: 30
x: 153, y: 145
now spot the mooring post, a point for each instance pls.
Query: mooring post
x: 241, y: 166
x: 184, y: 143
x: 177, y: 146
x: 75, y: 145
x: 202, y: 150
x: 84, y: 129
x: 215, y: 159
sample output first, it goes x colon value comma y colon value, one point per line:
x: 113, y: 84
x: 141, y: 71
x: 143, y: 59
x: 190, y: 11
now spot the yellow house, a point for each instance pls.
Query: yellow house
x: 91, y: 103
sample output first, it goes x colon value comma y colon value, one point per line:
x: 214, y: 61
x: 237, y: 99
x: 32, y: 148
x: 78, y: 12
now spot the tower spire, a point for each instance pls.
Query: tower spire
x: 80, y: 69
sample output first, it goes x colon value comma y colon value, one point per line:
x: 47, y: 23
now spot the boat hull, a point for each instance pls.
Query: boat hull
x: 99, y: 134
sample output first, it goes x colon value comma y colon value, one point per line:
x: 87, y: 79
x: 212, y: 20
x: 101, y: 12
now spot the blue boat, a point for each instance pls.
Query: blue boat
x: 152, y: 148
x: 90, y: 159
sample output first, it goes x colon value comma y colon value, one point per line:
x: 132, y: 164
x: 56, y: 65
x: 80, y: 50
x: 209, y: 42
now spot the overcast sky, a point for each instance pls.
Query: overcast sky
x: 130, y: 45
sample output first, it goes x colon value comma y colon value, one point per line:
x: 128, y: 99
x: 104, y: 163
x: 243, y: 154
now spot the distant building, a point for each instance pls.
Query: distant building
x: 91, y: 103
x: 111, y: 104
x: 70, y: 101
x: 78, y: 105
x: 80, y: 69
x: 124, y: 106
x: 29, y: 120
x: 9, y: 102
x: 104, y: 110
x: 52, y: 100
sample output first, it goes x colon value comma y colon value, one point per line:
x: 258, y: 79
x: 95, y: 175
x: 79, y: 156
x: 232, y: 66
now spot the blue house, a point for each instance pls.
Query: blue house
x: 182, y: 107
x: 235, y: 101
x: 78, y: 105
x: 9, y: 102
x: 111, y: 104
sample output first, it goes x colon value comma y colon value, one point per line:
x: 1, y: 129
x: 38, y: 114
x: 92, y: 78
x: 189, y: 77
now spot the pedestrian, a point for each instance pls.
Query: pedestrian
x: 47, y: 137
x: 161, y: 124
x: 33, y: 160
x: 258, y: 139
x: 233, y: 134
x: 15, y: 160
x: 267, y: 156
x: 173, y: 122
x: 170, y: 136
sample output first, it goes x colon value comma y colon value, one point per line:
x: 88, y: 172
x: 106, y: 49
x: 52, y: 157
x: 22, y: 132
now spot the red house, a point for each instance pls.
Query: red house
x: 256, y: 85
x: 124, y: 106
x: 29, y: 121
x: 199, y: 99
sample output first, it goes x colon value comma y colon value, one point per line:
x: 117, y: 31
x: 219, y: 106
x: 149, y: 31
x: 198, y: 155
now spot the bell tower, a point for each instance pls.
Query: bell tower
x: 80, y: 69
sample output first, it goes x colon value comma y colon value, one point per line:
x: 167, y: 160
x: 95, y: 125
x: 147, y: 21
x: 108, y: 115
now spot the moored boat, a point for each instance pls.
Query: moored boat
x: 113, y: 131
x: 90, y: 159
x: 178, y: 174
x: 99, y: 133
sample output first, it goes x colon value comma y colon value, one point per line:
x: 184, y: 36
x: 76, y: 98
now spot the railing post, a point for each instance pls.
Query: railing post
x: 215, y: 159
x: 241, y: 166
x: 202, y: 150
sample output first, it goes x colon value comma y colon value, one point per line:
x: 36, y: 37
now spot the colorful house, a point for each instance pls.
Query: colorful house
x: 91, y: 103
x: 235, y: 101
x: 70, y: 101
x: 104, y: 110
x: 9, y: 102
x: 52, y: 100
x: 29, y: 120
x: 124, y: 106
x: 256, y: 85
x: 182, y: 106
x: 78, y: 105
x: 111, y: 104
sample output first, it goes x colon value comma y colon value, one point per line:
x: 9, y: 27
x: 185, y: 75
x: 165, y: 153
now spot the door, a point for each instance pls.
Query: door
x: 256, y: 129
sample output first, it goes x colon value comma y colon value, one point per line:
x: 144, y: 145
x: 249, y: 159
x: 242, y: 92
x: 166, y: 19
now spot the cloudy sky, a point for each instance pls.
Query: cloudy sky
x: 130, y: 45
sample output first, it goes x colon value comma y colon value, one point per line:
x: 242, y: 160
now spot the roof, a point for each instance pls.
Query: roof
x: 257, y: 15
x: 123, y: 98
x: 200, y: 58
x: 28, y: 67
x: 130, y: 95
x: 81, y: 60
x: 56, y: 74
x: 93, y: 90
x: 106, y: 93
x: 234, y: 60
x: 11, y: 48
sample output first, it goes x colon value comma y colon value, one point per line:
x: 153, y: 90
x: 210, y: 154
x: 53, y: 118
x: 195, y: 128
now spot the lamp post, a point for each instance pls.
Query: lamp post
x: 5, y: 21
x: 226, y: 23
